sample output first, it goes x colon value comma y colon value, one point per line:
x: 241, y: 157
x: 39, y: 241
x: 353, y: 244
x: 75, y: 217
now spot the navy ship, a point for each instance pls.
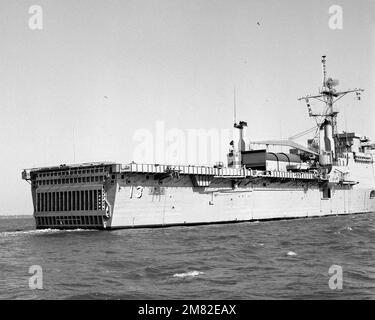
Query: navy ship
x: 333, y: 175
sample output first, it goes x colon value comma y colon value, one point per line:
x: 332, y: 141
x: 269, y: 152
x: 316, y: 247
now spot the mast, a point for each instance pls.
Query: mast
x: 234, y: 105
x: 328, y: 95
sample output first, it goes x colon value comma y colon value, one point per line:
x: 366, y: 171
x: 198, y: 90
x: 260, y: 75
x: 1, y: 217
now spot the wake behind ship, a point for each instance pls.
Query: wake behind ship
x: 333, y: 175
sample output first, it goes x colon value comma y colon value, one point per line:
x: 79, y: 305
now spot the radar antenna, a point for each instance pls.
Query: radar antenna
x: 329, y: 96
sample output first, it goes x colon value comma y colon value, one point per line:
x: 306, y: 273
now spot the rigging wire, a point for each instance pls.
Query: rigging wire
x: 303, y: 133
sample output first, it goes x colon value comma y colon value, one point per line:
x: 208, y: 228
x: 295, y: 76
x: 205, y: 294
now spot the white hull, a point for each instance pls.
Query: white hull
x: 183, y: 204
x: 133, y: 196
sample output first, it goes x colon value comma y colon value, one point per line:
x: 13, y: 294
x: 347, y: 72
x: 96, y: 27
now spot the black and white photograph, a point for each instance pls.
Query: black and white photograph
x: 205, y: 152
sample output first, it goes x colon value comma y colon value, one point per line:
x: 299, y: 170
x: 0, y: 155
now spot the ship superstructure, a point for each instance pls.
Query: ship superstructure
x: 333, y: 175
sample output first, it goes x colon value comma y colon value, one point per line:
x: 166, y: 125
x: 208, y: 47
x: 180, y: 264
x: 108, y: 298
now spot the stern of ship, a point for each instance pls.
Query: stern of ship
x: 73, y: 196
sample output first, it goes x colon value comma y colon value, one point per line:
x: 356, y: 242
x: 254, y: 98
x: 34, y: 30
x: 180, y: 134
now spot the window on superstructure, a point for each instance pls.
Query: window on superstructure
x: 372, y: 194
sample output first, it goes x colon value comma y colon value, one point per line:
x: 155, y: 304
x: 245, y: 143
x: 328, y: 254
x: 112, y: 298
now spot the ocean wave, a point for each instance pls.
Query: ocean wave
x: 291, y: 253
x: 41, y: 231
x: 188, y: 274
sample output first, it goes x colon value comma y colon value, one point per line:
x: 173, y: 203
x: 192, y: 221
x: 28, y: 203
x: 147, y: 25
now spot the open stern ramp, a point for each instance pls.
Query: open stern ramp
x: 72, y: 196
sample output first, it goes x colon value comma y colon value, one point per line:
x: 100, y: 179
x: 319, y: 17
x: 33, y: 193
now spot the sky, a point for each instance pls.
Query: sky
x: 101, y: 72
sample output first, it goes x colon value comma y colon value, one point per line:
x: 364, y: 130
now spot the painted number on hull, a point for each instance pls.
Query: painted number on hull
x: 138, y: 192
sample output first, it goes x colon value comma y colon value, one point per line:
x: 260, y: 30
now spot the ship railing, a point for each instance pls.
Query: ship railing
x: 183, y: 169
x: 288, y: 175
x: 216, y: 172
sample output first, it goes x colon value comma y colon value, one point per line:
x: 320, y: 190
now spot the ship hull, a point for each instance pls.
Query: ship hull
x: 148, y: 205
x: 139, y: 196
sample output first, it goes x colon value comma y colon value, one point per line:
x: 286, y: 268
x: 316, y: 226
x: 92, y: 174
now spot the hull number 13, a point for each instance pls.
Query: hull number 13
x: 136, y: 192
